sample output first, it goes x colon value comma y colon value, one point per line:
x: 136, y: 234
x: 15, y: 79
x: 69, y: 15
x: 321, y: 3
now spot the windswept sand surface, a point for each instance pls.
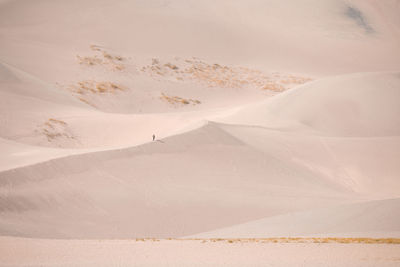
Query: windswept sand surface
x: 272, y: 119
x: 38, y: 252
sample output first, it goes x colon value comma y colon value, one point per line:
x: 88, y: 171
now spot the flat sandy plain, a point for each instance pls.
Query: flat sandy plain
x: 155, y: 252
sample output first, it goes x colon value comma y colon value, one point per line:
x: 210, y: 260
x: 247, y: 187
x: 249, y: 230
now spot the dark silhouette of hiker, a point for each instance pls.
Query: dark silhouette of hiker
x: 154, y: 137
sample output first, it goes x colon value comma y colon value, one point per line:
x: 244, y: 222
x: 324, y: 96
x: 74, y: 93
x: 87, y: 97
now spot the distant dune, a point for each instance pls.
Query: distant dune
x: 373, y: 218
x: 356, y: 105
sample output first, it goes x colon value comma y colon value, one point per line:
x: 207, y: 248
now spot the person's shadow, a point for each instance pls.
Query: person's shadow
x: 161, y: 141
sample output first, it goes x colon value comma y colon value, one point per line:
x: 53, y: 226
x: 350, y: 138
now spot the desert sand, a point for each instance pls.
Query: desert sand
x: 272, y: 119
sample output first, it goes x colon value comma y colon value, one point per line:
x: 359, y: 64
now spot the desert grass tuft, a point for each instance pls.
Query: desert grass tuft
x: 216, y: 75
x: 178, y: 101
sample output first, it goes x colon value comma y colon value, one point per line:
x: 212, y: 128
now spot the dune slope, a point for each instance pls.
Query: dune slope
x: 355, y: 105
x: 372, y: 219
x: 177, y: 186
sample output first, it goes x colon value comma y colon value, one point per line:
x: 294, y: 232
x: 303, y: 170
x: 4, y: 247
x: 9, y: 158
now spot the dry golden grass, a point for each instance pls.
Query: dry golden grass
x: 56, y: 129
x: 343, y: 240
x: 171, y: 66
x: 176, y: 100
x: 83, y: 90
x: 111, y: 58
x: 95, y: 47
x: 95, y: 87
x: 102, y: 58
x: 273, y: 86
x: 118, y: 67
x: 294, y: 80
x: 55, y: 121
x: 89, y: 61
x: 86, y: 102
x: 318, y: 240
x: 167, y: 69
x: 107, y: 56
x: 216, y: 75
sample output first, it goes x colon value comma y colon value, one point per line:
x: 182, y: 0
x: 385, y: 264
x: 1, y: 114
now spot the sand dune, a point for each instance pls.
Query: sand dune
x: 306, y: 36
x: 125, y: 192
x: 252, y: 172
x: 272, y: 118
x: 373, y: 218
x: 355, y: 105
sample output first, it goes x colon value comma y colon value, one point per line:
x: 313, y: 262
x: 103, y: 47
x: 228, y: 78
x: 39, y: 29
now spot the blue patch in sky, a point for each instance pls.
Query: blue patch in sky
x: 356, y: 15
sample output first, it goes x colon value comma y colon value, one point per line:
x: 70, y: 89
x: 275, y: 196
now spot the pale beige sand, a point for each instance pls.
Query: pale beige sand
x: 355, y: 220
x: 271, y: 118
x: 40, y: 252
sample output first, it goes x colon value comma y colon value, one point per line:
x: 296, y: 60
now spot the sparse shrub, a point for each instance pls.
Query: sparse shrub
x: 56, y: 129
x: 94, y: 87
x: 103, y: 58
x: 171, y: 66
x: 216, y: 75
x: 175, y: 100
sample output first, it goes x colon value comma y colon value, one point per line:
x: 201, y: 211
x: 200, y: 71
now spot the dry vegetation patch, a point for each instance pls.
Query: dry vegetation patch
x: 102, y: 58
x: 216, y: 75
x: 341, y: 240
x: 83, y: 90
x: 95, y: 87
x: 290, y: 79
x: 56, y: 130
x: 86, y: 88
x: 178, y: 101
x: 344, y: 240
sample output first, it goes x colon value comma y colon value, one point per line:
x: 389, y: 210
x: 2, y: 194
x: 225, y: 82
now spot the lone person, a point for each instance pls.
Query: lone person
x: 154, y: 137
